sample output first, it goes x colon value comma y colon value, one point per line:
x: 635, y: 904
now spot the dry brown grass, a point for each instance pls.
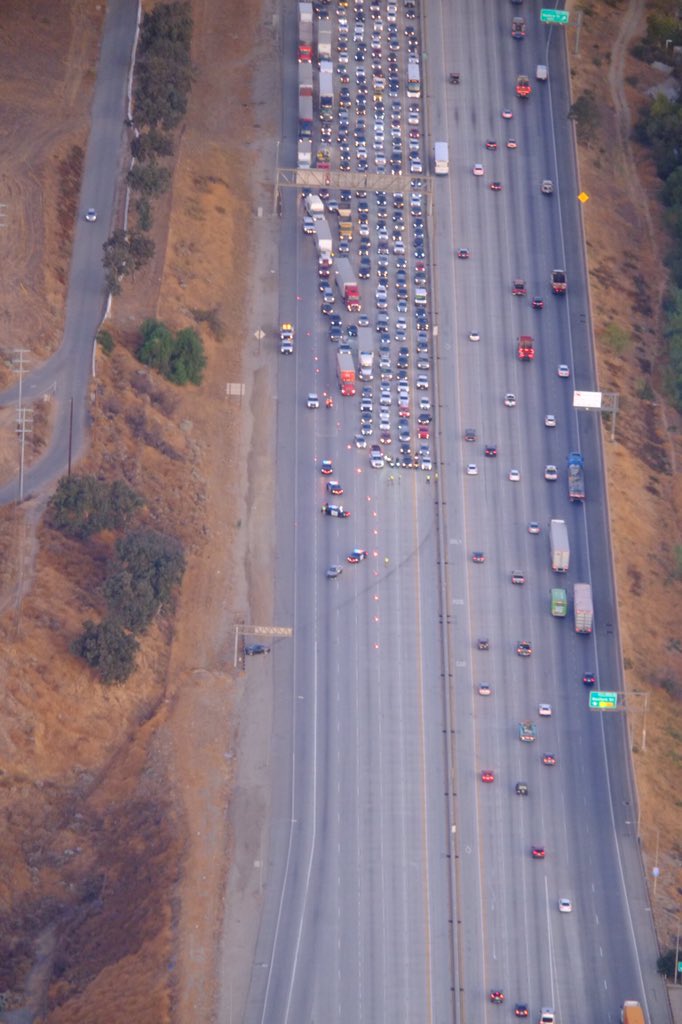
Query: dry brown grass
x: 112, y: 800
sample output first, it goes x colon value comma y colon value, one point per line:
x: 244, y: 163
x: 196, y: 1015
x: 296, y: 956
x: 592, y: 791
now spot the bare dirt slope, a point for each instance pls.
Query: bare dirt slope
x: 626, y: 245
x: 113, y: 802
x: 110, y: 797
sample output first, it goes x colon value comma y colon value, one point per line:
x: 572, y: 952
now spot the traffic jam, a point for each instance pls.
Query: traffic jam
x: 360, y: 111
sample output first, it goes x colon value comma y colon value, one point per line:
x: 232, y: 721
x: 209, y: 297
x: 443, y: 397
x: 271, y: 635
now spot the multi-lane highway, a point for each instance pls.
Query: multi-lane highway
x: 400, y: 886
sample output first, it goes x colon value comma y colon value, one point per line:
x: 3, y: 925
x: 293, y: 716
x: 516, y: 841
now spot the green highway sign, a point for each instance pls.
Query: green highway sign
x: 601, y: 699
x: 552, y: 17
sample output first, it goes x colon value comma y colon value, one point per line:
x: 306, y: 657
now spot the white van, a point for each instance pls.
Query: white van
x: 541, y: 73
x: 313, y: 203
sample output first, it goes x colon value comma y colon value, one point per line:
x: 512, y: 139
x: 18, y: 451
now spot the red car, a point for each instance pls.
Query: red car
x: 538, y: 852
x: 496, y: 186
x: 548, y: 759
x: 463, y: 254
x: 478, y: 556
x: 490, y: 144
x: 487, y: 776
x: 538, y: 302
x: 520, y: 1010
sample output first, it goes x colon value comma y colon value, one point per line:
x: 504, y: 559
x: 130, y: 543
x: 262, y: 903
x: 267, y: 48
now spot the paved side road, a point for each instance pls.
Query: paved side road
x: 67, y: 372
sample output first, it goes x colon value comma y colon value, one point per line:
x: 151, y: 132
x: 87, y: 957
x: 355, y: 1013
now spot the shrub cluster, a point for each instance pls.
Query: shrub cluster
x: 178, y: 356
x: 141, y: 577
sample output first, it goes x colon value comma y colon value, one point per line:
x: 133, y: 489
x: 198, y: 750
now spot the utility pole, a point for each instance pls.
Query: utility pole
x: 24, y: 416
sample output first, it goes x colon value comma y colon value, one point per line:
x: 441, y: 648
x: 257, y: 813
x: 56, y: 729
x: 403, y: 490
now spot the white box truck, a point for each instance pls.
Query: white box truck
x: 441, y: 163
x: 558, y: 543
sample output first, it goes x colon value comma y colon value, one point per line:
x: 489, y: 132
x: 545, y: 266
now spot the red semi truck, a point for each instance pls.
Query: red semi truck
x: 345, y: 369
x: 348, y: 286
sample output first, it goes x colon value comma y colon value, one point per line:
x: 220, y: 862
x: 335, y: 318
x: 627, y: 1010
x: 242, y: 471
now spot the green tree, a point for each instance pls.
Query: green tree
x: 180, y: 357
x: 187, y: 360
x: 83, y: 505
x: 147, y: 567
x: 586, y: 115
x: 146, y: 146
x: 149, y: 179
x: 108, y: 649
x: 125, y: 252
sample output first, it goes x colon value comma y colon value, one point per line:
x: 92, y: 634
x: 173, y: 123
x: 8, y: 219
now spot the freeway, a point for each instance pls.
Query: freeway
x: 67, y: 374
x: 395, y: 889
x: 583, y: 809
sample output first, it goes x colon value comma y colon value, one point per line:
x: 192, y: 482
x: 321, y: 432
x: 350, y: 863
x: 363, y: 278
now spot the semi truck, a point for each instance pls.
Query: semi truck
x: 348, y: 286
x: 366, y: 355
x: 576, y: 476
x: 326, y: 91
x: 345, y: 371
x: 558, y: 545
x: 582, y: 607
x: 305, y: 40
x: 632, y: 1013
x: 558, y: 602
x: 324, y: 41
x: 525, y: 348
x: 323, y: 239
x: 305, y: 117
x: 558, y: 282
x: 305, y: 80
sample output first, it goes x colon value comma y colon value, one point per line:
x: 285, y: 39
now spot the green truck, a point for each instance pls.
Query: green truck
x: 559, y: 602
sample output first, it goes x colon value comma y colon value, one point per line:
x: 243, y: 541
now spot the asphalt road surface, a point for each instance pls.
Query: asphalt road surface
x: 67, y: 374
x: 399, y: 886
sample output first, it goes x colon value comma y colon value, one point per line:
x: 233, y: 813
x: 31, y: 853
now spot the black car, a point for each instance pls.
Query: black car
x: 256, y: 649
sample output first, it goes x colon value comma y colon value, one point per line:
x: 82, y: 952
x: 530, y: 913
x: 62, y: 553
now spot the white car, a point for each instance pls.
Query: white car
x: 562, y: 370
x: 550, y: 420
x: 510, y: 400
x: 485, y: 689
x: 474, y: 336
x: 545, y: 710
x: 422, y: 382
x: 360, y: 441
x: 551, y: 473
x: 533, y: 527
x: 478, y: 170
x: 472, y: 469
x: 91, y: 215
x: 313, y: 402
x: 565, y: 906
x: 515, y: 475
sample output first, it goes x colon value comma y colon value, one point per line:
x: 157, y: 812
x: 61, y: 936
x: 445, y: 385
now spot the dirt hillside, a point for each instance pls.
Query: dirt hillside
x: 113, y: 801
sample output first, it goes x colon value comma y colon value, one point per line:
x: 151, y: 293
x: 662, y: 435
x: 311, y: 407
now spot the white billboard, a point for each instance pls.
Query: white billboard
x: 587, y: 399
